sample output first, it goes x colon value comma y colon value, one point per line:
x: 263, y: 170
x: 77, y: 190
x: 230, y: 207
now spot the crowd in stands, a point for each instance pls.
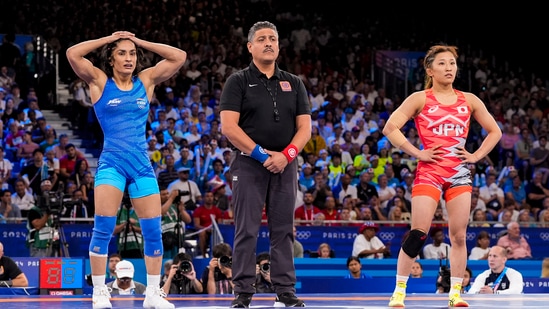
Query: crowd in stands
x: 349, y: 172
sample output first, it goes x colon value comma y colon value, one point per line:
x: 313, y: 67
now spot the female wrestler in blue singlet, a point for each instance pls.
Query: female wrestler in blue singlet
x: 121, y: 91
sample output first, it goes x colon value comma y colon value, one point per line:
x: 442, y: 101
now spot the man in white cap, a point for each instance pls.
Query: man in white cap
x: 188, y: 189
x: 124, y: 283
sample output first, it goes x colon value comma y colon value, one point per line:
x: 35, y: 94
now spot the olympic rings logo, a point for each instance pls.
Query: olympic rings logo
x: 303, y: 235
x: 471, y: 236
x: 544, y: 236
x: 386, y: 236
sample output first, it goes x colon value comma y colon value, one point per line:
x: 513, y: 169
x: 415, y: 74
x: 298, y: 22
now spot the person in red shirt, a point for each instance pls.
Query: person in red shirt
x: 68, y: 161
x: 306, y: 212
x: 202, y: 220
x: 330, y: 211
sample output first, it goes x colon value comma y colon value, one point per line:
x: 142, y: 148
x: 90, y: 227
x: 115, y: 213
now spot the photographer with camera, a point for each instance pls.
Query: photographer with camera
x: 174, y: 219
x: 217, y: 278
x: 188, y: 190
x: 74, y: 206
x: 128, y: 229
x: 181, y: 278
x: 40, y: 226
x: 263, y: 282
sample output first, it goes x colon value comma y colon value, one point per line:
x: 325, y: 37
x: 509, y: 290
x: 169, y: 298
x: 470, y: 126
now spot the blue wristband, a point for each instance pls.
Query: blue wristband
x: 259, y: 154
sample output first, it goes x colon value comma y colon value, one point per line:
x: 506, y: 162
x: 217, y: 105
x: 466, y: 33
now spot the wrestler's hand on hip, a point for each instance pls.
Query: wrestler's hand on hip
x: 431, y: 155
x: 466, y: 156
x: 276, y: 162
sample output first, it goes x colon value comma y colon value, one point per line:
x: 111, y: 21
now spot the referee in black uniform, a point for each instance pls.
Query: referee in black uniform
x: 265, y: 114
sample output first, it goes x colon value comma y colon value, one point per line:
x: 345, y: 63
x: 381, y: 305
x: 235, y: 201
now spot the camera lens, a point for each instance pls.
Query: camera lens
x: 265, y: 267
x: 185, y: 267
x: 226, y: 261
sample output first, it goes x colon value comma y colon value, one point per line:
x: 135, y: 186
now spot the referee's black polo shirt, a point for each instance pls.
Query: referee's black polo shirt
x: 246, y: 92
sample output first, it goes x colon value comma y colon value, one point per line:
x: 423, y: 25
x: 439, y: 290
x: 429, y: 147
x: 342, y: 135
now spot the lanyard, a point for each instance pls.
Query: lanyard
x: 498, y: 280
x: 266, y: 84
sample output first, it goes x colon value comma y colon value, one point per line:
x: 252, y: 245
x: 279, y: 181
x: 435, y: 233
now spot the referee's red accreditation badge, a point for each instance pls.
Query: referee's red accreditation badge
x: 285, y: 86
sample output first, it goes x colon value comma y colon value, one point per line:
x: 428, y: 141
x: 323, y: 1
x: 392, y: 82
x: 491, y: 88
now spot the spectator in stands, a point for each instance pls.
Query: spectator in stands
x: 33, y: 107
x: 169, y: 174
x: 8, y: 211
x: 263, y: 283
x: 218, y: 275
x: 181, y: 277
x: 22, y: 198
x: 306, y: 176
x: 320, y: 190
x: 545, y: 268
x: 516, y: 191
x: 39, y: 132
x: 219, y: 188
x: 25, y: 150
x: 536, y: 193
x: 493, y: 196
x: 539, y: 159
x: 124, y: 283
x: 60, y: 148
x: 330, y: 212
x: 9, y: 271
x: 482, y: 248
x: 367, y: 244
x: 114, y: 258
x: 185, y: 160
x: 544, y: 218
x: 67, y: 162
x: 87, y: 188
x: 6, y: 168
x: 355, y: 269
x: 52, y: 164
x: 35, y: 172
x: 9, y: 113
x: 366, y: 188
x: 202, y: 218
x: 324, y: 251
x: 385, y: 192
x: 438, y: 250
x: 81, y: 167
x: 345, y: 188
x: 516, y: 245
x: 417, y: 270
x: 499, y: 279
x: 298, y: 247
x: 305, y: 213
x: 12, y: 138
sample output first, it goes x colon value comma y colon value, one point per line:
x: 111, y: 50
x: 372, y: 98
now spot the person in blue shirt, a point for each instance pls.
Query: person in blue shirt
x: 355, y: 269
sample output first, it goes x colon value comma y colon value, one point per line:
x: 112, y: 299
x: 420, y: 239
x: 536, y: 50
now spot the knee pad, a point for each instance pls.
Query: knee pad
x: 152, y: 236
x: 414, y: 242
x: 102, y: 233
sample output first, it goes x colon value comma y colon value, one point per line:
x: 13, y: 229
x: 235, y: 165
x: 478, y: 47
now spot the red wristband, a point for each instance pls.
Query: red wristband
x: 290, y: 152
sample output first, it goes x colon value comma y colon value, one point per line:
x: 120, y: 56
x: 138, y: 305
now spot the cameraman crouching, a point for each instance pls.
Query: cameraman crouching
x: 182, y: 277
x: 40, y: 227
